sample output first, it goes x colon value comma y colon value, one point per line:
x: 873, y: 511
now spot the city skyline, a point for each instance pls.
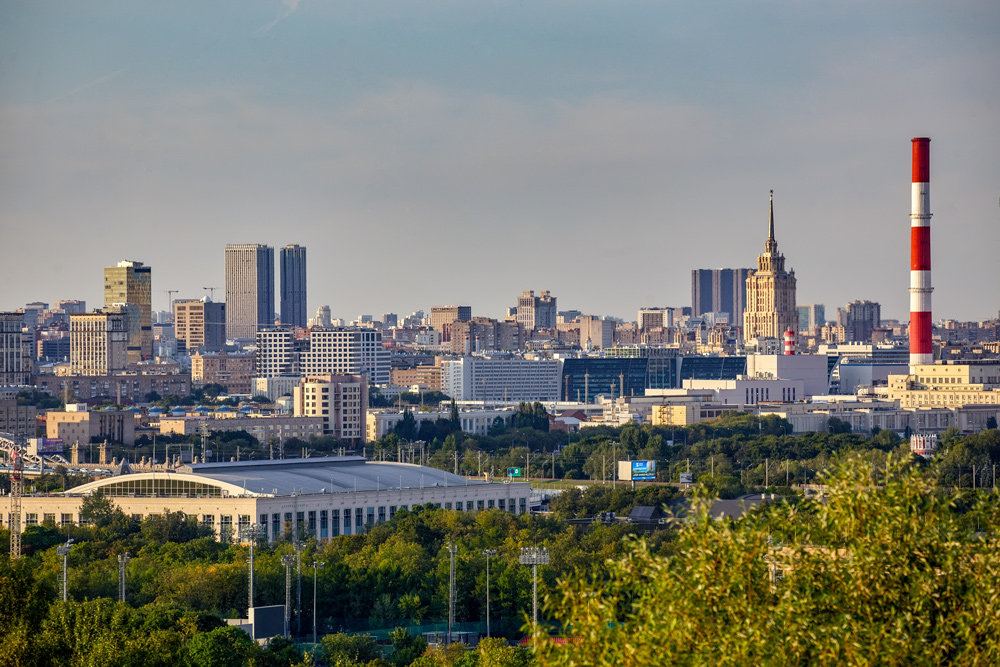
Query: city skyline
x: 602, y: 154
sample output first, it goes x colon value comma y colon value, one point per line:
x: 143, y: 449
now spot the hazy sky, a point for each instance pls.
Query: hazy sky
x: 432, y: 153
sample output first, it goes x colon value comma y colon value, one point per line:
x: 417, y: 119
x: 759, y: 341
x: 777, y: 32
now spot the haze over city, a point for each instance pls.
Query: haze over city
x: 433, y: 153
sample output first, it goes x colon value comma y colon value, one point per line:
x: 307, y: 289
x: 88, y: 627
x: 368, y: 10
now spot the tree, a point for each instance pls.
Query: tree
x: 835, y: 426
x: 350, y: 649
x: 223, y: 647
x: 823, y: 582
x: 406, y: 647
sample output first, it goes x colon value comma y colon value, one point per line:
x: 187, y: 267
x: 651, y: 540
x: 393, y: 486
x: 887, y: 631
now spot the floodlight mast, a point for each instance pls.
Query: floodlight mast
x: 534, y: 556
x: 315, y: 566
x: 288, y: 560
x: 489, y: 553
x: 63, y: 550
x: 452, y: 550
x: 123, y: 560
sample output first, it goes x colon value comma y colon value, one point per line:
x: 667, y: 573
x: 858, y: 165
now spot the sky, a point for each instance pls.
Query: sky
x: 432, y: 153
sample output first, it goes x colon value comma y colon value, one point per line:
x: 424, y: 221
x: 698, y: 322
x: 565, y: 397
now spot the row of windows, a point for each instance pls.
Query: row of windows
x: 332, y: 523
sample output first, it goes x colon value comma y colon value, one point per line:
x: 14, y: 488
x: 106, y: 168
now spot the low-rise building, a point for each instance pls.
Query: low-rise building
x: 78, y: 424
x: 477, y: 422
x: 263, y: 428
x: 126, y: 388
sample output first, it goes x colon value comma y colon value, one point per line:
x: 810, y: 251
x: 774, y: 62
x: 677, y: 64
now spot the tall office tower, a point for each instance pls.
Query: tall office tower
x: 15, y: 351
x: 811, y: 316
x: 349, y: 351
x: 249, y: 289
x: 862, y: 318
x: 126, y: 285
x: 770, y: 306
x: 97, y: 343
x: 719, y: 291
x: 536, y: 312
x: 443, y: 316
x: 199, y: 324
x: 293, y: 286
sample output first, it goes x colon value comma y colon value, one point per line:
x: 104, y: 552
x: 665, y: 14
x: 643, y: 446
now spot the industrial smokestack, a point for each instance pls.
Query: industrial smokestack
x: 921, y: 349
x: 789, y: 343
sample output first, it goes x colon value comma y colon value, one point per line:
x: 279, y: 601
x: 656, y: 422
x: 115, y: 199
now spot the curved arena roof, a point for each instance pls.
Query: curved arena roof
x: 284, y: 477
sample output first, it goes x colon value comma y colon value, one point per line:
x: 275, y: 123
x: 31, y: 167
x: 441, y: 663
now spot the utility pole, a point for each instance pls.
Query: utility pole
x: 16, y: 491
x: 123, y: 560
x: 766, y: 461
x: 534, y: 556
x: 489, y: 553
x: 452, y: 550
x: 315, y: 565
x: 63, y: 550
x: 288, y: 560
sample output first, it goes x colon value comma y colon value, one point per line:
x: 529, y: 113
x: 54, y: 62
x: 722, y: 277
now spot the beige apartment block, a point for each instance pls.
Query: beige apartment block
x: 97, y: 343
x: 232, y: 371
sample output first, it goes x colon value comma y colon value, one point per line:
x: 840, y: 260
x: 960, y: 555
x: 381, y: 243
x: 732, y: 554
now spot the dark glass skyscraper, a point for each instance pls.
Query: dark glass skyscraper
x: 293, y: 285
x: 719, y: 291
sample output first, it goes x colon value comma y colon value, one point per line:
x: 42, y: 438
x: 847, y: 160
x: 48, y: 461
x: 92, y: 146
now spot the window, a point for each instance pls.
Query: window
x: 392, y: 511
x: 491, y: 503
x: 359, y: 518
x: 312, y: 522
x: 275, y: 526
x: 208, y: 520
x: 334, y: 523
x: 323, y: 518
x: 30, y: 519
x: 447, y: 506
x: 288, y: 523
x: 503, y: 504
x: 458, y: 505
x: 49, y: 518
x: 66, y: 520
x: 381, y: 514
x: 226, y: 527
x: 371, y: 517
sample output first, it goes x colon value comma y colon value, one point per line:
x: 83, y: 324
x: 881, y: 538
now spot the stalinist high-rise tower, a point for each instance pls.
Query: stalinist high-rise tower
x: 770, y: 306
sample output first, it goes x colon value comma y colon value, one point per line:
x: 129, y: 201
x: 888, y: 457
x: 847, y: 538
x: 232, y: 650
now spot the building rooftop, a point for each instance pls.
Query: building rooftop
x: 286, y: 477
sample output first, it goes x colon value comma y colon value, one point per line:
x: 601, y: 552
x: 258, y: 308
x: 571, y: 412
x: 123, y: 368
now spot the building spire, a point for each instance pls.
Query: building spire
x: 770, y: 226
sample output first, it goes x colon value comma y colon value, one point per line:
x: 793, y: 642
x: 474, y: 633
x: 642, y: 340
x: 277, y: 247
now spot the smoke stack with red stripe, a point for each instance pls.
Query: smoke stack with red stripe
x: 921, y: 349
x: 789, y: 343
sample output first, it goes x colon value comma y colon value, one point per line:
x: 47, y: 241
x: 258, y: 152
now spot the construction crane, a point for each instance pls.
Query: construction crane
x: 211, y: 291
x: 170, y: 299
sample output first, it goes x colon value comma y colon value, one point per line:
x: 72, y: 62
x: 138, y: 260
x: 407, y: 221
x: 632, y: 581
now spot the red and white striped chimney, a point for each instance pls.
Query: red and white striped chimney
x: 789, y: 343
x: 921, y: 349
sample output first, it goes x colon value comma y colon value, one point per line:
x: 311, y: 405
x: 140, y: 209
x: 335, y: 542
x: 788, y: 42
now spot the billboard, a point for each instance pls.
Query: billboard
x: 643, y: 470
x: 38, y: 446
x: 514, y: 472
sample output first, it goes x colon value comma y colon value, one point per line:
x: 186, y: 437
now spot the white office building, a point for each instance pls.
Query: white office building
x: 347, y: 351
x: 501, y: 379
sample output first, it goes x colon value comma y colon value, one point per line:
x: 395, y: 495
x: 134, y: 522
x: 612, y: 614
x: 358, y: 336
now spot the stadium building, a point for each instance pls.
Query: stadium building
x: 287, y: 498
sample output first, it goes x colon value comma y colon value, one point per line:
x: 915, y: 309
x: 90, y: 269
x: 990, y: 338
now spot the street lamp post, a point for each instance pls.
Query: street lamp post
x: 288, y: 560
x: 534, y: 556
x: 315, y: 566
x: 63, y: 550
x: 489, y: 553
x: 123, y: 560
x: 452, y: 550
